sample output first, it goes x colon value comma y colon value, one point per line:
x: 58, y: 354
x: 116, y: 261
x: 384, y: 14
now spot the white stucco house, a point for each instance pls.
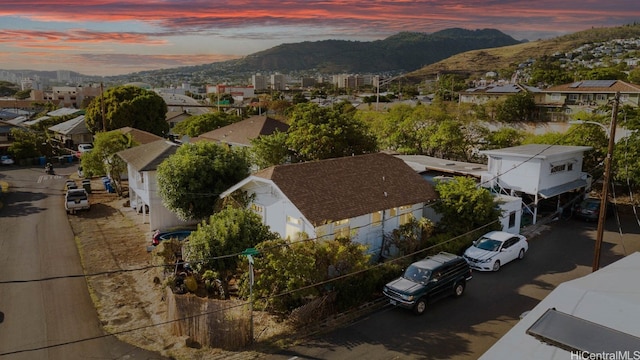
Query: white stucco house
x: 364, y: 196
x: 542, y: 171
x: 142, y: 163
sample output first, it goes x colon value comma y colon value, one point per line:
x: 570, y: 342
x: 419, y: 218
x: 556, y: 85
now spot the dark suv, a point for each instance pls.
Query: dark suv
x: 429, y: 279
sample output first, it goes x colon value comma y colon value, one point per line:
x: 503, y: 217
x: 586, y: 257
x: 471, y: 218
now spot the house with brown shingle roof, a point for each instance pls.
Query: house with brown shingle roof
x: 139, y: 136
x: 563, y: 101
x: 242, y: 132
x: 365, y: 196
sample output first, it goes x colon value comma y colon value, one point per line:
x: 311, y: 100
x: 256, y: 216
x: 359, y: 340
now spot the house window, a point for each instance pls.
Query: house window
x: 601, y: 97
x: 572, y: 97
x: 512, y: 219
x: 570, y: 167
x: 624, y: 97
x: 293, y: 228
x: 555, y: 96
x: 405, y: 218
x: 341, y: 229
x: 558, y: 168
x: 376, y: 218
x: 258, y: 209
x: 393, y: 212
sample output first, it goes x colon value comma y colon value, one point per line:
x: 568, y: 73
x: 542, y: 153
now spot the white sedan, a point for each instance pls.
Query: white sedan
x: 494, y: 249
x: 6, y: 160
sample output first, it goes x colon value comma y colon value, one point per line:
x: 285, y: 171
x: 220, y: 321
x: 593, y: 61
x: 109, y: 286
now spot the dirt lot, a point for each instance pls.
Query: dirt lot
x: 112, y: 238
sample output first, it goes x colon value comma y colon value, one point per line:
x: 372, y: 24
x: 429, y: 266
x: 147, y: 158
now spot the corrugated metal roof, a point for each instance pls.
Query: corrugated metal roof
x: 76, y: 125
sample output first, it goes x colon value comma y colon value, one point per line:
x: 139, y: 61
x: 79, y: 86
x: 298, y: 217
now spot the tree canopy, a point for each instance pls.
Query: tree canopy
x: 191, y: 180
x: 465, y: 206
x: 317, y: 133
x: 128, y: 106
x: 229, y: 231
x: 200, y: 124
x: 102, y: 160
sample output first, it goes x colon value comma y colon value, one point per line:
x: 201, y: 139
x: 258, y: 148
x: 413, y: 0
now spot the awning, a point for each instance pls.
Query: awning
x: 561, y: 189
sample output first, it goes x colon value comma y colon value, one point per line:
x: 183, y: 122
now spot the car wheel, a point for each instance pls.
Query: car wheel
x: 458, y: 289
x: 496, y: 265
x: 420, y: 306
x: 521, y: 254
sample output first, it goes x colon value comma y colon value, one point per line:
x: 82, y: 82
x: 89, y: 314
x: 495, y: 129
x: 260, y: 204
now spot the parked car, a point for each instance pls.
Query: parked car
x: 494, y: 249
x: 179, y: 235
x: 427, y: 280
x: 589, y: 209
x: 70, y: 184
x: 76, y: 199
x: 6, y: 160
x: 83, y: 148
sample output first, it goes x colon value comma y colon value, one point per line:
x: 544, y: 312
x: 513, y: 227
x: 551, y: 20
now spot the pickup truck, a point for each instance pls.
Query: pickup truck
x: 76, y: 199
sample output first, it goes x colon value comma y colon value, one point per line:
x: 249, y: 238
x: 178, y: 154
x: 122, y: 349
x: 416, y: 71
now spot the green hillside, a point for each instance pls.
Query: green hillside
x: 481, y: 61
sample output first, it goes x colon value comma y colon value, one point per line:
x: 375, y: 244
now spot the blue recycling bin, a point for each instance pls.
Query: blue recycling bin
x: 106, y: 181
x: 43, y: 160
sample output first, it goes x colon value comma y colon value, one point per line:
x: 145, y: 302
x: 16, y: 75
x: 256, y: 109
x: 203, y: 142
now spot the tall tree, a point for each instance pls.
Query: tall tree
x: 191, y: 180
x: 128, y: 106
x: 317, y: 133
x: 102, y: 160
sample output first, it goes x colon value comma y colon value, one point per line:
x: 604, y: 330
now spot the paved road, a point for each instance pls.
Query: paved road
x: 46, y: 319
x: 466, y: 327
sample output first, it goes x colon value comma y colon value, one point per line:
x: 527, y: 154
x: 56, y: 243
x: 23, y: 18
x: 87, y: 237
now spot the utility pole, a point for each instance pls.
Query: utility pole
x: 104, y: 120
x: 605, y: 184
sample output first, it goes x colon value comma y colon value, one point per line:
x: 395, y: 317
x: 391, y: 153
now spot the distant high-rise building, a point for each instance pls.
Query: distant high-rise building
x: 259, y: 82
x: 278, y: 82
x: 346, y: 81
x: 308, y: 82
x: 63, y: 75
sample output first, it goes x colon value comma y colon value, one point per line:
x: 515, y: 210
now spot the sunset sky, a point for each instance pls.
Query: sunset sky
x: 110, y: 37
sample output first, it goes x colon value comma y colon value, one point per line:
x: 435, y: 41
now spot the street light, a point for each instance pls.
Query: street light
x: 611, y: 133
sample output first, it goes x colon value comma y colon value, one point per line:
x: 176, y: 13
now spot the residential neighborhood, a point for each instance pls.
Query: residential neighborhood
x: 246, y: 217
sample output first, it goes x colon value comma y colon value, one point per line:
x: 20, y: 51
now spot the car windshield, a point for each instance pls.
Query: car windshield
x: 590, y: 205
x: 487, y: 244
x: 417, y: 274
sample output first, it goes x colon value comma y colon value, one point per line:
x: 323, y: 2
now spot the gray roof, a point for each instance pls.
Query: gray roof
x: 421, y: 163
x: 63, y: 112
x: 76, y: 125
x: 147, y: 157
x: 539, y: 151
x: 603, y: 297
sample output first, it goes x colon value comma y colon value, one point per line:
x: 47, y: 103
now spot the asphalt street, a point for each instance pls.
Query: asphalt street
x: 466, y: 327
x: 47, y: 310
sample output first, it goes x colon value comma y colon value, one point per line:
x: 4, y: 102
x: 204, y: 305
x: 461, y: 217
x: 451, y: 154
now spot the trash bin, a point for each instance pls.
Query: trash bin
x: 105, y: 181
x: 110, y: 188
x: 86, y: 184
x: 43, y: 160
